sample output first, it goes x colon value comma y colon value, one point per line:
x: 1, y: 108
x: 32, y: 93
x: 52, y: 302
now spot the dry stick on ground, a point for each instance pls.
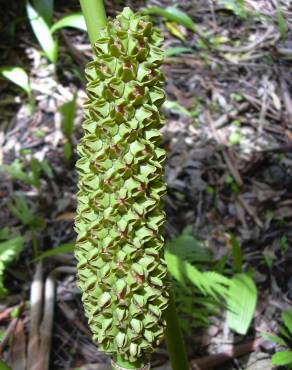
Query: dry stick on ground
x: 211, y: 361
x: 251, y: 46
x: 48, y: 317
x: 42, y: 318
x: 230, y: 160
x: 18, y: 349
x: 286, y: 98
x: 36, y: 293
x: 10, y: 330
x: 225, y: 118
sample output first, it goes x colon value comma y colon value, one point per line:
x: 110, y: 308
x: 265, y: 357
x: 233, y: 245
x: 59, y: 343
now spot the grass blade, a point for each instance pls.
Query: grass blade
x: 73, y: 21
x: 172, y: 14
x: 42, y: 33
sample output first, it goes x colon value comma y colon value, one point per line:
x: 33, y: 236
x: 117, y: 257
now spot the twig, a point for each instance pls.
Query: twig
x: 35, y: 317
x: 48, y: 316
x: 211, y: 361
x: 8, y: 333
x: 251, y: 46
x: 250, y: 211
x: 18, y: 350
x: 287, y: 99
x: 225, y: 118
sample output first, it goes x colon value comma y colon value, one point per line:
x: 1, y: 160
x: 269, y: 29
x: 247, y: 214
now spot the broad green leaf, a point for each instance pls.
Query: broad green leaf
x: 72, y: 20
x: 9, y: 251
x: 287, y: 318
x: 188, y: 248
x: 18, y: 76
x: 172, y: 14
x: 282, y: 358
x: 170, y: 52
x: 42, y: 33
x: 64, y: 248
x: 45, y: 9
x: 241, y: 303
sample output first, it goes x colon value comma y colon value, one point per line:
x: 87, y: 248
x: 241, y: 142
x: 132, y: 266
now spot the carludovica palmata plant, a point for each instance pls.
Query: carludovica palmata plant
x: 120, y: 248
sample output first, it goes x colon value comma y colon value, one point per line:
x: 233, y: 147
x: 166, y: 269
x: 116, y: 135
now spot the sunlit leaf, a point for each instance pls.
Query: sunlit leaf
x: 241, y: 303
x: 9, y: 251
x: 175, y: 30
x: 282, y: 358
x: 287, y: 318
x: 172, y: 14
x: 18, y: 76
x: 42, y: 33
x: 170, y: 52
x: 72, y: 20
x: 177, y: 108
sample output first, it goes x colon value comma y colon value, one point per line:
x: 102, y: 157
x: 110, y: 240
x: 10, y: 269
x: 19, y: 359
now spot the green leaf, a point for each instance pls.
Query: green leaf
x: 68, y: 111
x: 45, y: 8
x: 281, y: 22
x: 236, y: 6
x: 186, y: 247
x: 72, y: 20
x: 64, y: 248
x: 287, y: 318
x: 282, y: 358
x: 274, y: 339
x: 67, y: 150
x: 23, y: 212
x: 15, y: 170
x: 172, y: 14
x: 9, y: 251
x: 3, y: 366
x: 241, y: 303
x: 177, y: 108
x: 210, y: 283
x: 42, y: 33
x: 170, y: 52
x: 236, y: 254
x: 18, y: 76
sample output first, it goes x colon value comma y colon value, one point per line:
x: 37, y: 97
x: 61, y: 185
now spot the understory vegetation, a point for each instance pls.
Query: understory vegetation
x: 227, y: 136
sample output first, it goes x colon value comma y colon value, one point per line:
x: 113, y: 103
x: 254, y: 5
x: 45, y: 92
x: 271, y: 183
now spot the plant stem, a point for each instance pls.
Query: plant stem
x: 128, y: 365
x: 174, y: 339
x: 95, y: 17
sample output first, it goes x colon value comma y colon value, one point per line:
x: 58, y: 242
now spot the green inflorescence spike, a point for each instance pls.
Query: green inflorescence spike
x: 121, y: 268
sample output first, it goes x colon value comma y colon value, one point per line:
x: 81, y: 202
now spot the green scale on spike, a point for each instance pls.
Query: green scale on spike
x: 120, y: 248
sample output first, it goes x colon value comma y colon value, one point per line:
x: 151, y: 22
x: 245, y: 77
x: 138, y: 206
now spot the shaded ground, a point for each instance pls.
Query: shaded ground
x: 228, y: 138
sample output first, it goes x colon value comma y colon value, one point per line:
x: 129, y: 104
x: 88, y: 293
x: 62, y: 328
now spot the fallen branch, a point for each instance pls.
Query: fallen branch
x: 211, y: 361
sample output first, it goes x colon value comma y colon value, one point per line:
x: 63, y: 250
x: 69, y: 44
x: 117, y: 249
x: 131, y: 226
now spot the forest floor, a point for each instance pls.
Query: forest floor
x: 228, y: 136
